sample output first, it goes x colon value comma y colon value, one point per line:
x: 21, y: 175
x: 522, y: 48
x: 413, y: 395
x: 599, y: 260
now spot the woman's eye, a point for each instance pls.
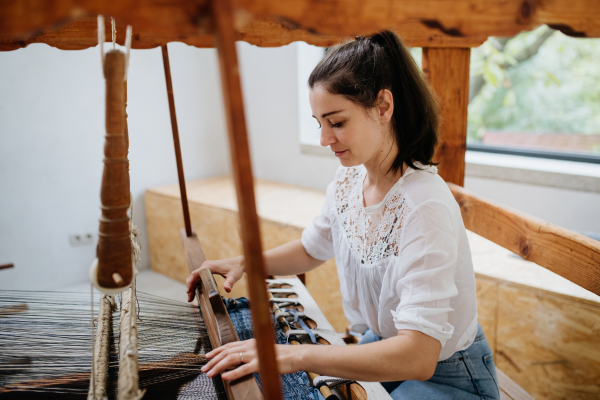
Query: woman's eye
x: 338, y: 125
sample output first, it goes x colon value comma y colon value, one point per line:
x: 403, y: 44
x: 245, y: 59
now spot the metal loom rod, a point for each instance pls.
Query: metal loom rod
x: 176, y: 142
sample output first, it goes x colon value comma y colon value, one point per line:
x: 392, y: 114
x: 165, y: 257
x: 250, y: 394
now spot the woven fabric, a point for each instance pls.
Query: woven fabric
x: 295, y: 386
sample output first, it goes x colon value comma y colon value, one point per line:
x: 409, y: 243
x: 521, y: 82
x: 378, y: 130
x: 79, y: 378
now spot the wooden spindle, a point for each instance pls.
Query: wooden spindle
x: 176, y: 143
x: 114, y: 243
x: 7, y: 266
x: 222, y: 11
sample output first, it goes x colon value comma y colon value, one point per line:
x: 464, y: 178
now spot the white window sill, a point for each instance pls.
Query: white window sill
x: 569, y: 175
x: 535, y: 171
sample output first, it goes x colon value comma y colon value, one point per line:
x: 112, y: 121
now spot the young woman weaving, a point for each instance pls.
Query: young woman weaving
x: 396, y: 232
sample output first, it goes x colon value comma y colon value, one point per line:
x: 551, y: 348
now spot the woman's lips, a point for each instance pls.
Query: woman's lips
x: 339, y: 153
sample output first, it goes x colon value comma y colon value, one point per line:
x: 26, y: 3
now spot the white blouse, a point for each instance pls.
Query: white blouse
x: 404, y: 263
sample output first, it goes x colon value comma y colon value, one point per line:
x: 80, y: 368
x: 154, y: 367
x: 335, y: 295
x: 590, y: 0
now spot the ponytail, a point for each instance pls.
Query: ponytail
x: 360, y: 69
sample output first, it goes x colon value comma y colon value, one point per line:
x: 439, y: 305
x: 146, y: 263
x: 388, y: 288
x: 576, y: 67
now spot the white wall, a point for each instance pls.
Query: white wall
x: 270, y: 94
x: 575, y: 210
x: 51, y: 139
x: 51, y: 149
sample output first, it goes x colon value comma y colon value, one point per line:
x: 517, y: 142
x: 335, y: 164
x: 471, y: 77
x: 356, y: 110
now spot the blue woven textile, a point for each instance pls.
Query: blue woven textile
x: 295, y: 386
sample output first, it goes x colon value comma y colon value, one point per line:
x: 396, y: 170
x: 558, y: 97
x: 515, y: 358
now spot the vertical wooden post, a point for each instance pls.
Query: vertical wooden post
x: 184, y: 201
x: 222, y: 11
x: 448, y: 72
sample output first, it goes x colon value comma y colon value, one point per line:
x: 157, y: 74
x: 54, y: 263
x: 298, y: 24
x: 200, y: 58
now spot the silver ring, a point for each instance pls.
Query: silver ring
x: 242, y: 357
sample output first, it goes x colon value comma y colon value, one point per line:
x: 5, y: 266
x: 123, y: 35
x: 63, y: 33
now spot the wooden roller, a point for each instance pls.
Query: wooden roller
x: 115, y: 268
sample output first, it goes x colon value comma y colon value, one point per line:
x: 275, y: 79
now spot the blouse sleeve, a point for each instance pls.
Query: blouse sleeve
x: 425, y: 277
x: 316, y: 238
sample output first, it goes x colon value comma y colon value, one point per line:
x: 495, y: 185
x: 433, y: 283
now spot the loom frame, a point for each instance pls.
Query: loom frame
x: 445, y: 29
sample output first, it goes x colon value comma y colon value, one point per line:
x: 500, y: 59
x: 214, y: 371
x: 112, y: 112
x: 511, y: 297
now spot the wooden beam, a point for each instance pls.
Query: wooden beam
x: 222, y: 12
x: 422, y: 23
x: 456, y: 18
x: 568, y: 254
x: 80, y: 33
x: 7, y: 266
x: 448, y: 73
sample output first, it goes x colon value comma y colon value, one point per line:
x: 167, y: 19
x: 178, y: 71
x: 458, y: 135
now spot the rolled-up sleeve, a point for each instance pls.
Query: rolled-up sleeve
x: 426, y: 271
x: 316, y: 238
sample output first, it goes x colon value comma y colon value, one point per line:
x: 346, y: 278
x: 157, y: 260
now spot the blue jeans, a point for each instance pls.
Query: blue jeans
x: 467, y: 375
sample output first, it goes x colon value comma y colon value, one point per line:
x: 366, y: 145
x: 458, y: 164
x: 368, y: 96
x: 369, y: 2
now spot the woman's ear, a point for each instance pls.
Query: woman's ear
x: 386, y: 105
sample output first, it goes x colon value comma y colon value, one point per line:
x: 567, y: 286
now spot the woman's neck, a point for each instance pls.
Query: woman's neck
x: 380, y: 179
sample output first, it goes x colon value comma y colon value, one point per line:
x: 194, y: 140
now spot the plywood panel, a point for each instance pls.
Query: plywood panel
x: 549, y: 345
x: 487, y: 308
x: 218, y: 232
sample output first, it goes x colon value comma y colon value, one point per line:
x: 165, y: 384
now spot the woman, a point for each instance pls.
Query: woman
x: 396, y: 232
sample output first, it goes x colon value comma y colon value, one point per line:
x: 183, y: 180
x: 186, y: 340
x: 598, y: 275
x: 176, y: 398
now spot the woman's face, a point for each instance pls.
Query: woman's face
x: 356, y: 136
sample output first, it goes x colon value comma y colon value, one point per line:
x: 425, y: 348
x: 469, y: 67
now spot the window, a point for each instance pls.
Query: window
x: 536, y: 94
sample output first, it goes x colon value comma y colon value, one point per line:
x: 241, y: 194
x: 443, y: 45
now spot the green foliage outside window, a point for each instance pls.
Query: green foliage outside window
x: 536, y: 82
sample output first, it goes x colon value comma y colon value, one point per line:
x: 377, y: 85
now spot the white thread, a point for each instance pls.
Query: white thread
x: 127, y: 48
x: 101, y: 39
x: 283, y: 300
x: 114, y: 32
x: 297, y: 332
x: 93, y: 380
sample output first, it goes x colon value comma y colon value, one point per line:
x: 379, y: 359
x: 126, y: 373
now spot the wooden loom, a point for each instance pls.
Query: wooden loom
x: 445, y: 29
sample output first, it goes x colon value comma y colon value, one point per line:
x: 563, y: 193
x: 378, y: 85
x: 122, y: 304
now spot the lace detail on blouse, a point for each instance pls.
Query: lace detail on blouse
x: 371, y: 236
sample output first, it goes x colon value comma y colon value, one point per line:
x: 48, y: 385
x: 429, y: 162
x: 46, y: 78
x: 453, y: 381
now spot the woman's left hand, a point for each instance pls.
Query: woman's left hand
x: 244, y: 354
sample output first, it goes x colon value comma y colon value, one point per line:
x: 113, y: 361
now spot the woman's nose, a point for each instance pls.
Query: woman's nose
x: 327, y: 137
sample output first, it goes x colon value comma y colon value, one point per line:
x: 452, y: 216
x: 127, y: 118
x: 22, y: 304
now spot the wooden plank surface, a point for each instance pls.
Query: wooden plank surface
x: 442, y: 23
x: 448, y: 73
x: 509, y: 390
x: 569, y: 254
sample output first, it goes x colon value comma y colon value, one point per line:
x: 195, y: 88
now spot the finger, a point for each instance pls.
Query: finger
x: 242, y: 370
x: 217, y: 356
x: 191, y: 286
x: 226, y: 362
x: 239, y: 346
x: 230, y: 279
x: 191, y: 281
x: 228, y: 285
x: 231, y: 355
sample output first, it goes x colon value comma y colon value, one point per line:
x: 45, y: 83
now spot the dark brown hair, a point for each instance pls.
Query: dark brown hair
x: 360, y: 69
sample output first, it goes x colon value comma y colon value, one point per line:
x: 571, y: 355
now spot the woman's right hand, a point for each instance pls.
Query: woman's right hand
x: 232, y: 269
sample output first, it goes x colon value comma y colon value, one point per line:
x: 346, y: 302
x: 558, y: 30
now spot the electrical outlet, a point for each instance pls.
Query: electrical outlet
x: 81, y: 239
